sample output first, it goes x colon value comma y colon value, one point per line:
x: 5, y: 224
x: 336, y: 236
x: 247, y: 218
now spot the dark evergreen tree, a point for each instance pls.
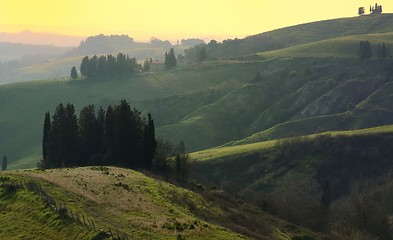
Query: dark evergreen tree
x: 87, y: 135
x: 123, y: 134
x: 74, y: 73
x: 121, y: 63
x: 150, y: 142
x: 117, y: 136
x: 201, y: 53
x: 56, y: 139
x: 170, y: 59
x: 181, y: 148
x: 325, y: 199
x: 166, y: 60
x: 84, y: 68
x: 102, y: 66
x: 92, y: 67
x: 109, y: 137
x: 383, y: 51
x: 5, y: 163
x: 71, y: 137
x: 111, y: 64
x: 100, y: 131
x: 45, y: 139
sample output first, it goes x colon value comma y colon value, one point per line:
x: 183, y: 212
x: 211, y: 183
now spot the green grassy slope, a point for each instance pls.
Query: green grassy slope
x: 114, y: 198
x: 244, y: 146
x: 23, y: 105
x: 317, y: 31
x: 212, y: 103
x: 344, y: 47
x: 25, y: 216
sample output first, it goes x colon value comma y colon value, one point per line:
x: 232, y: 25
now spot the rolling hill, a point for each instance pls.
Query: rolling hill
x: 124, y: 201
x: 105, y: 201
x: 299, y: 35
x: 215, y: 102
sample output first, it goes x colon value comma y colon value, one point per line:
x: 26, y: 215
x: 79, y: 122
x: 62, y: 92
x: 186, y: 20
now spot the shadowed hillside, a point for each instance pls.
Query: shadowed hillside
x: 322, y: 182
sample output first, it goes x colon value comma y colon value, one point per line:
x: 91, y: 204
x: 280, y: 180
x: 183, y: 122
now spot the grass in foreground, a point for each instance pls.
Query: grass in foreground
x: 128, y: 201
x: 25, y: 216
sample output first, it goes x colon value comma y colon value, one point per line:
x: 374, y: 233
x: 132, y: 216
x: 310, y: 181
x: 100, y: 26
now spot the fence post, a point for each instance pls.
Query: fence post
x: 92, y: 223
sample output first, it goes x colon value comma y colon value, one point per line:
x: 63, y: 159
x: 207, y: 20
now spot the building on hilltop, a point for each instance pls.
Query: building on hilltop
x: 377, y: 9
x: 157, y: 66
x: 361, y: 11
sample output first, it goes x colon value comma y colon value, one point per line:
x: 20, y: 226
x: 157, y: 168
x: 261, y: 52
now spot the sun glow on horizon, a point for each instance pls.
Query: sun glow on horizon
x: 172, y: 19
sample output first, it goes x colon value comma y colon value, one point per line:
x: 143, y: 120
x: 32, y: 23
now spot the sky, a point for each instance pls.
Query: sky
x: 171, y: 19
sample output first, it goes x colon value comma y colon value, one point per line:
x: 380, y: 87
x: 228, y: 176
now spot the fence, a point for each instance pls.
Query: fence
x: 65, y: 212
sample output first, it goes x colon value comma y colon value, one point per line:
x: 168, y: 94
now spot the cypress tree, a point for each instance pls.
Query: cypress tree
x: 181, y: 149
x: 87, y: 136
x: 55, y: 143
x: 45, y: 139
x: 5, y: 163
x: 383, y: 51
x: 84, y: 68
x: 99, y: 128
x: 92, y: 67
x: 122, y: 134
x: 166, y: 61
x: 150, y: 142
x: 71, y: 139
x: 74, y: 73
x: 172, y: 58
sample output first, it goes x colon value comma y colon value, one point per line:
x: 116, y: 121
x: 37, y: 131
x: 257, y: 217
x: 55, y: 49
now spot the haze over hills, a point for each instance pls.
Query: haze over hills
x: 40, y: 38
x: 24, y: 62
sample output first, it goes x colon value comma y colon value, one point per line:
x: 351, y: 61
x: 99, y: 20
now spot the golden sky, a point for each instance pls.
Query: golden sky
x: 171, y: 19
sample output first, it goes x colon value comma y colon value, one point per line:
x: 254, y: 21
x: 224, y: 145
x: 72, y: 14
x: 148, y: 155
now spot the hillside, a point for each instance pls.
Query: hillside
x: 299, y: 35
x: 304, y: 89
x: 341, y: 47
x: 213, y: 103
x: 125, y: 203
x: 322, y: 181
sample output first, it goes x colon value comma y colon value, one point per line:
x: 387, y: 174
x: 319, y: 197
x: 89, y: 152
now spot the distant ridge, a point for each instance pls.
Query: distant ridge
x: 320, y: 30
x: 301, y: 34
x: 40, y: 38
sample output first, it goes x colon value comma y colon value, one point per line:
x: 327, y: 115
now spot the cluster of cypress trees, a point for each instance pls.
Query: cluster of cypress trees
x: 365, y: 51
x: 170, y: 59
x: 115, y: 136
x: 108, y: 65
